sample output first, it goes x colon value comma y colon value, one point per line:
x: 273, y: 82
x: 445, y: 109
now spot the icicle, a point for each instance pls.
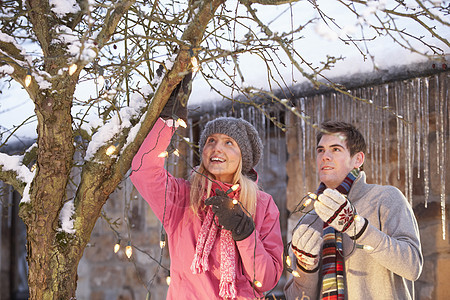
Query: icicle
x: 320, y: 109
x: 409, y: 145
x: 425, y: 138
x: 382, y: 124
x: 278, y: 138
x: 309, y: 130
x: 353, y: 111
x: 263, y: 134
x: 441, y: 115
x: 378, y: 144
x: 386, y: 135
x: 437, y: 119
x: 335, y: 110
x: 418, y: 121
x: 371, y: 131
x: 303, y: 126
x: 399, y: 133
x: 343, y: 106
x: 368, y: 116
x: 445, y: 115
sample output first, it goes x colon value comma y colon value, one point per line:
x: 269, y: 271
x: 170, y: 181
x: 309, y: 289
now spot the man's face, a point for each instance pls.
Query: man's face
x: 334, y: 161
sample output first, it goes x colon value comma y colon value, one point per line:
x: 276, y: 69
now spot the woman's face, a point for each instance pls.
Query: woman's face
x: 221, y: 156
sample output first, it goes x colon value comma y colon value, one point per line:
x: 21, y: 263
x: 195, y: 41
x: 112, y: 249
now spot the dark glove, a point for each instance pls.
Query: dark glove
x: 177, y: 103
x: 231, y: 216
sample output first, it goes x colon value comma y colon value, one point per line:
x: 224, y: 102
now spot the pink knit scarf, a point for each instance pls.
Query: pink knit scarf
x: 205, y: 242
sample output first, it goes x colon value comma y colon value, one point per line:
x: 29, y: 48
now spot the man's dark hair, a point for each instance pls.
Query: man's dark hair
x: 354, y: 139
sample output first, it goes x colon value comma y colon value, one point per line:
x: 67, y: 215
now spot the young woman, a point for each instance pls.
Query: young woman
x: 219, y: 249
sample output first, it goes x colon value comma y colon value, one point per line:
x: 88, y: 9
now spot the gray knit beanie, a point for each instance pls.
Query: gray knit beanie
x: 242, y: 132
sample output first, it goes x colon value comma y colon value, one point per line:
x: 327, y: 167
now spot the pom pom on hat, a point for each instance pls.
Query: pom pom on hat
x: 243, y: 133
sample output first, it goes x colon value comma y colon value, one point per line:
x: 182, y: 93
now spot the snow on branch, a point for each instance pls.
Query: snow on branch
x: 64, y: 7
x: 65, y: 217
x: 11, y: 48
x: 13, y: 172
x: 117, y: 124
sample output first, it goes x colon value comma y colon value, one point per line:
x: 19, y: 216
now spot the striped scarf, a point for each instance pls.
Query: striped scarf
x: 333, y: 286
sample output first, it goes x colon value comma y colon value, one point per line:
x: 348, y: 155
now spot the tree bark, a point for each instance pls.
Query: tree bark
x: 50, y: 267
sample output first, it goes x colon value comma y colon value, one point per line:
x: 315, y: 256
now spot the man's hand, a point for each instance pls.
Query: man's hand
x: 231, y: 216
x: 306, y: 244
x: 335, y: 209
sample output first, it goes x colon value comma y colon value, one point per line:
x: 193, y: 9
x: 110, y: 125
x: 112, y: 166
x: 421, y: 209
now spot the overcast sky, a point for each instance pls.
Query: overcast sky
x: 15, y: 105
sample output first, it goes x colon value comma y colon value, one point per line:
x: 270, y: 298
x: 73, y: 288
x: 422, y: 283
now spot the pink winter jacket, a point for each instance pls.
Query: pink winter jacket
x: 259, y: 258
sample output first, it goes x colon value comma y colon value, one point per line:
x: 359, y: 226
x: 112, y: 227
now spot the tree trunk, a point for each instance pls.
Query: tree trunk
x: 52, y: 271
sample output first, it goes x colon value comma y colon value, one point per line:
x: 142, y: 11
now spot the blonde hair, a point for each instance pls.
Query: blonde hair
x: 201, y: 182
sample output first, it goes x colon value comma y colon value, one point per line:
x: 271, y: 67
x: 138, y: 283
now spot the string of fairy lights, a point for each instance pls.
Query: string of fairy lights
x: 112, y: 150
x: 302, y: 207
x: 165, y: 154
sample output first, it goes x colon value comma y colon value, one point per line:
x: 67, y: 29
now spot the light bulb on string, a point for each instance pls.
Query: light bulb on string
x: 117, y: 247
x: 179, y: 121
x: 128, y: 250
x: 294, y: 273
x: 100, y: 78
x: 195, y: 64
x: 168, y: 279
x: 72, y: 69
x: 257, y: 283
x: 111, y: 150
x: 162, y: 244
x: 27, y: 80
x: 288, y: 261
x: 166, y: 153
x: 182, y: 123
x: 163, y: 154
x: 307, y: 202
x: 309, y: 198
x: 232, y: 189
x: 365, y: 247
x: 100, y: 81
x: 312, y: 196
x: 162, y: 241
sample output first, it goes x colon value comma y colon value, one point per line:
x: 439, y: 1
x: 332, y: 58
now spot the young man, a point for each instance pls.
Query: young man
x: 361, y: 241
